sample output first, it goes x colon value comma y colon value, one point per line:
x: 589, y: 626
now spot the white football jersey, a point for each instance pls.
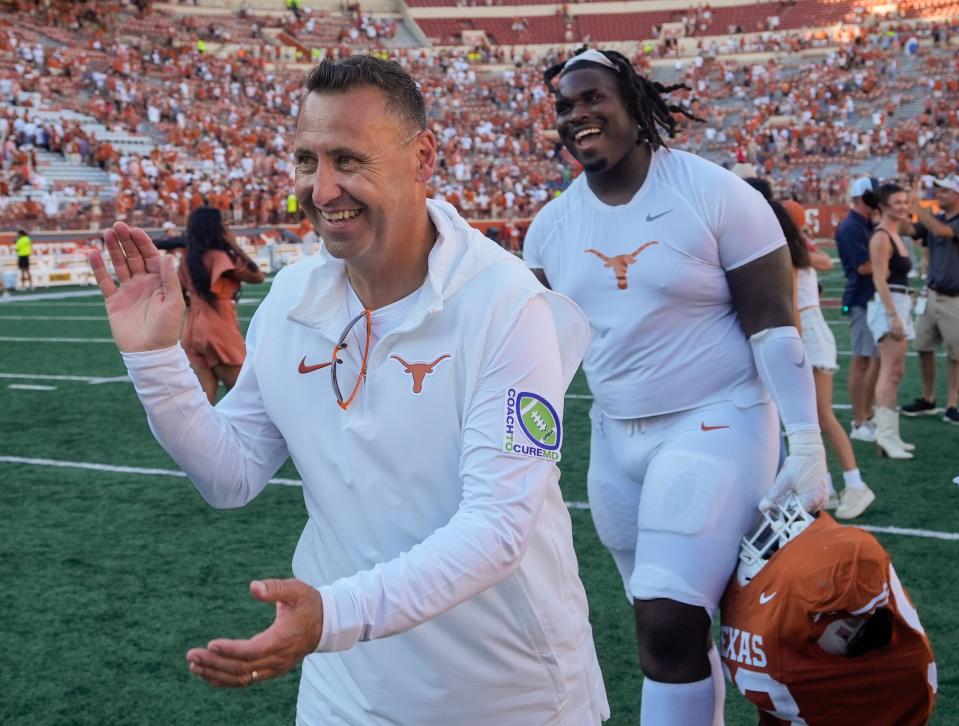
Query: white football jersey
x: 651, y: 277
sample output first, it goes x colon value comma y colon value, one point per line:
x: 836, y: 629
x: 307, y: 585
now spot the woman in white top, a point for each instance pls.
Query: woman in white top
x: 820, y: 346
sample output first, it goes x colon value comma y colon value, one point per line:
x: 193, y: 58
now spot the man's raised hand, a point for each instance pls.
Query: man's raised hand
x: 145, y: 305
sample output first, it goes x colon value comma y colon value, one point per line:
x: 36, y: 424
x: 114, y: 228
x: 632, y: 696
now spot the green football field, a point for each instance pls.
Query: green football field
x: 112, y: 566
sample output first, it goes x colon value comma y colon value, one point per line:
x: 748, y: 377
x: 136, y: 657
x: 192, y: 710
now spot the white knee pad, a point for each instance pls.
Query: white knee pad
x: 685, y: 491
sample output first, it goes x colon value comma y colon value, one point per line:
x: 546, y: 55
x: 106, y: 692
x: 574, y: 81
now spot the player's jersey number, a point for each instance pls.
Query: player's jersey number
x: 784, y: 705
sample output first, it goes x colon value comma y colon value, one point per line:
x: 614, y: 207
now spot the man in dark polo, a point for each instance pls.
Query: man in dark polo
x: 938, y: 323
x: 852, y: 241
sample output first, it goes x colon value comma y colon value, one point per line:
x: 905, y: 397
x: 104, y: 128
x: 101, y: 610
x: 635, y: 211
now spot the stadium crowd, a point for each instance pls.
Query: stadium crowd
x: 222, y: 123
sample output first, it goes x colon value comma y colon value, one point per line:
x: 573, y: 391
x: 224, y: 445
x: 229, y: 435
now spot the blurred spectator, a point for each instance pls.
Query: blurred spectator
x: 24, y: 246
x: 938, y: 322
x: 889, y: 313
x: 211, y: 277
x: 820, y: 346
x: 852, y: 242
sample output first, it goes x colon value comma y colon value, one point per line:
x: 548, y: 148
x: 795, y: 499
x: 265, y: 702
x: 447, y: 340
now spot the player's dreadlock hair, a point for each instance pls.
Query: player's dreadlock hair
x: 643, y: 97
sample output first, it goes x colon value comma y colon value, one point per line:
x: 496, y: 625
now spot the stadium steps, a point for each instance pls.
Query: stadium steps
x: 403, y: 38
x: 881, y: 167
x: 668, y: 75
x: 152, y: 132
x: 911, y: 108
x: 56, y: 168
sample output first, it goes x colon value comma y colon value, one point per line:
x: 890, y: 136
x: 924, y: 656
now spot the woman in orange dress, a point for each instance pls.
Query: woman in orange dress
x: 211, y: 275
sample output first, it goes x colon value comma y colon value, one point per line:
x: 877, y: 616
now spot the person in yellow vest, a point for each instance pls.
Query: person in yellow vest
x: 201, y: 46
x: 291, y: 206
x: 23, y: 246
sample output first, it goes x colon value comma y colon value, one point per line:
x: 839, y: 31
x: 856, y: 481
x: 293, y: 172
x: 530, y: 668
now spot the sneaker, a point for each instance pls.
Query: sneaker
x: 919, y: 407
x: 832, y: 502
x: 951, y: 415
x: 866, y: 432
x: 854, y: 502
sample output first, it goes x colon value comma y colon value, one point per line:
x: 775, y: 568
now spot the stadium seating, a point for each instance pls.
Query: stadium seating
x: 139, y: 124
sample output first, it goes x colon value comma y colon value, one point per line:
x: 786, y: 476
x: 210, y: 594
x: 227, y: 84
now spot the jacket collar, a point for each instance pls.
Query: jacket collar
x: 322, y: 305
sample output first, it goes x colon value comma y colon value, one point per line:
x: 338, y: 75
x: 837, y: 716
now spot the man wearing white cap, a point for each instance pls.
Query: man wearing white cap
x: 852, y: 241
x: 939, y: 321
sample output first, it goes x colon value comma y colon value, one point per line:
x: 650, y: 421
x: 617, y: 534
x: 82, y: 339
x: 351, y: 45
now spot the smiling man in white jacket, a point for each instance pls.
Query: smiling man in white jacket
x: 429, y: 466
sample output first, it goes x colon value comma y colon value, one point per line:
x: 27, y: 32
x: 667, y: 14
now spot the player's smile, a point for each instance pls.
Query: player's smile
x: 587, y: 138
x: 592, y: 120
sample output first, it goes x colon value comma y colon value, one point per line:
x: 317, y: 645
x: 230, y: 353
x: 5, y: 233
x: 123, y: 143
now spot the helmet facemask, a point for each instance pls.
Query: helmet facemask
x: 780, y: 524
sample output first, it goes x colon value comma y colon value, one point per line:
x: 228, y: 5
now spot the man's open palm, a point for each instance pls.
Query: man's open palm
x: 145, y: 306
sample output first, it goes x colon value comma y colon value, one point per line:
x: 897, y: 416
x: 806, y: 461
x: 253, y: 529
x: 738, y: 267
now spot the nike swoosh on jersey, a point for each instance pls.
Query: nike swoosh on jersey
x: 704, y: 427
x: 764, y: 598
x: 654, y: 217
x: 304, y: 368
x: 801, y: 363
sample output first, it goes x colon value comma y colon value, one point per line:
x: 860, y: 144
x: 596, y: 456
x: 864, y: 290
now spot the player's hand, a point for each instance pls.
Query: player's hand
x: 295, y: 633
x: 803, y: 473
x: 145, y: 306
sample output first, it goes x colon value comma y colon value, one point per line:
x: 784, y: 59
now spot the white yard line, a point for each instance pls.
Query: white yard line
x: 24, y: 339
x: 141, y: 471
x: 30, y: 387
x: 102, y: 318
x: 68, y: 318
x: 20, y: 339
x: 94, y: 380
x: 89, y: 466
x: 906, y: 532
x: 31, y: 297
x: 70, y: 306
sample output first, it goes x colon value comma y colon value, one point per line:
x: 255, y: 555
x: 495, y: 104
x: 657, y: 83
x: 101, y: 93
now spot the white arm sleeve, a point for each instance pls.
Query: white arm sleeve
x: 785, y: 371
x: 229, y: 451
x: 488, y: 536
x: 782, y: 365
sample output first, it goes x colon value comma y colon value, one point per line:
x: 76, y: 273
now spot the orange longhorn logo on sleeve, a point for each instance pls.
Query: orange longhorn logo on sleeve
x: 619, y: 263
x: 419, y: 371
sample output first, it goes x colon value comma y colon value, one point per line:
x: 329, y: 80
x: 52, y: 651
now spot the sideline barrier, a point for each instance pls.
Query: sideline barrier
x: 65, y: 262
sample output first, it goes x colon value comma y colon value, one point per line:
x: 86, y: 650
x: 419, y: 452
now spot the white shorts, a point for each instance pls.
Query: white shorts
x: 879, y: 321
x: 818, y: 340
x: 671, y: 496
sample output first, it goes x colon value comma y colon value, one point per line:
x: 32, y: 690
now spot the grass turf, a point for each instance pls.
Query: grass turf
x: 108, y: 578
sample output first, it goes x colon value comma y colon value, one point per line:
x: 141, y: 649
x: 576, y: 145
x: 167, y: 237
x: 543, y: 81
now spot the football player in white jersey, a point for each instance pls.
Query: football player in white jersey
x: 683, y: 272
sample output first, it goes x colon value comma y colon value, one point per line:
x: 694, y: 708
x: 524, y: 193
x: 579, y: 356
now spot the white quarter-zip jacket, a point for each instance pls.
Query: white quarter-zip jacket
x: 435, y: 515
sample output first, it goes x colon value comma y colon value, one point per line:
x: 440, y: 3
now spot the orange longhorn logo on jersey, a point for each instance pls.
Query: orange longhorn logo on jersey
x: 419, y: 371
x: 619, y: 263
